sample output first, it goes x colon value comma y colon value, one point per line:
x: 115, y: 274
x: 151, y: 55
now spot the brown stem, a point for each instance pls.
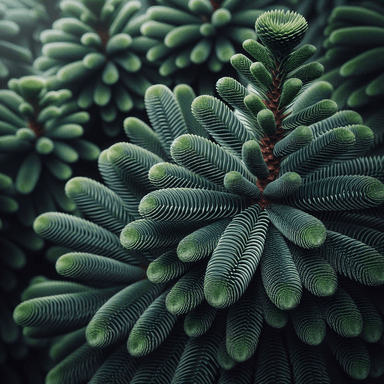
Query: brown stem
x: 32, y: 122
x: 215, y: 4
x: 267, y: 143
x: 103, y: 32
x: 36, y: 128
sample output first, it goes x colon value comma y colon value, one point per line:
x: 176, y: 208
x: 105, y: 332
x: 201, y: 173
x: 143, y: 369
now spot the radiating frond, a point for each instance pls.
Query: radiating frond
x: 199, y: 320
x: 201, y: 243
x: 165, y: 115
x: 118, y: 368
x: 205, y: 158
x: 152, y: 328
x: 167, y: 267
x: 280, y: 276
x: 98, y: 203
x: 114, y: 320
x: 341, y: 313
x: 96, y: 270
x: 353, y: 258
x: 190, y: 204
x: 62, y: 313
x: 242, y: 337
x: 188, y: 292
x: 236, y: 257
x: 80, y: 234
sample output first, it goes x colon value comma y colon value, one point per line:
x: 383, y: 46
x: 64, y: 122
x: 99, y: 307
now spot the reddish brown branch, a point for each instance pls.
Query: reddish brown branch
x: 36, y: 128
x: 215, y: 4
x: 267, y: 143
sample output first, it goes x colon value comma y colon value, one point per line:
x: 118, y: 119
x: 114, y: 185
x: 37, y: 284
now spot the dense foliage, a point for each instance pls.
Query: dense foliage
x: 236, y: 236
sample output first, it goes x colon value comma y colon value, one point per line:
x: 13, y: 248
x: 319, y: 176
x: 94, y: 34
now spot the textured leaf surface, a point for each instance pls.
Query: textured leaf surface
x: 236, y: 257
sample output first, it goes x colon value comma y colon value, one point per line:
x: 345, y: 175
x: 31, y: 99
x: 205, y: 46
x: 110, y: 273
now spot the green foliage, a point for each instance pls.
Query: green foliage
x: 189, y: 34
x: 354, y: 61
x: 20, y: 24
x: 40, y: 140
x: 236, y: 212
x: 97, y: 52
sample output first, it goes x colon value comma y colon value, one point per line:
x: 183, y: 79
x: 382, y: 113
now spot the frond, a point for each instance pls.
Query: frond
x: 297, y: 226
x: 201, y: 243
x: 221, y: 123
x: 118, y: 368
x: 283, y: 186
x: 253, y: 159
x: 188, y: 292
x: 353, y: 259
x: 298, y: 57
x: 297, y: 139
x: 272, y: 361
x: 132, y: 164
x: 152, y: 328
x: 259, y: 52
x: 341, y: 313
x: 241, y: 374
x: 190, y: 204
x: 308, y: 365
x: 310, y: 115
x: 167, y: 175
x: 233, y: 93
x: 242, y: 65
x: 114, y: 181
x: 167, y: 267
x: 82, y: 235
x: 266, y: 121
x: 66, y: 344
x: 97, y: 270
x: 368, y: 166
x: 362, y: 192
x: 307, y: 72
x: 185, y: 95
x: 339, y: 119
x: 273, y: 316
x: 242, y: 337
x: 373, y: 326
x: 159, y: 367
x: 372, y: 237
x: 79, y: 366
x: 140, y: 134
x: 318, y: 91
x: 115, y: 319
x: 239, y: 185
x: 98, y: 203
x: 320, y: 152
x: 147, y: 234
x: 316, y: 274
x: 290, y: 89
x: 225, y: 279
x: 363, y: 64
x: 165, y: 115
x: 307, y: 321
x: 199, y: 320
x: 63, y: 313
x: 278, y: 271
x: 223, y: 359
x: 352, y: 355
x: 206, y: 158
x: 198, y: 362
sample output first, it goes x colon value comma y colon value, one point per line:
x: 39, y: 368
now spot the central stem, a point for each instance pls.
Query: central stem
x: 268, y: 142
x: 215, y: 4
x: 36, y: 127
x: 103, y: 32
x: 32, y: 121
